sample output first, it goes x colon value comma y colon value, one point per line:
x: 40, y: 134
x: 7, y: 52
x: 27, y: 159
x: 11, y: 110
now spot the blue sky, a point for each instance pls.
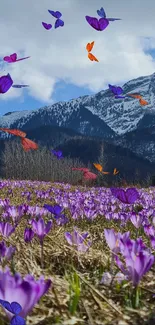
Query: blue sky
x: 63, y: 92
x: 59, y: 69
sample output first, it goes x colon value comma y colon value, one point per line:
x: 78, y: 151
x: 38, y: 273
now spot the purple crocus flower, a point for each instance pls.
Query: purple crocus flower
x: 136, y: 266
x: 130, y: 246
x: 152, y: 241
x: 6, y: 229
x: 137, y: 220
x: 15, y: 212
x: 112, y: 239
x: 28, y: 235
x: 106, y: 278
x: 6, y: 252
x: 26, y: 292
x: 149, y: 230
x: 78, y: 239
x: 40, y: 228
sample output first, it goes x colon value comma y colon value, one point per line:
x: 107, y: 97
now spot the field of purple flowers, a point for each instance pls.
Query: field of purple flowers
x: 82, y: 256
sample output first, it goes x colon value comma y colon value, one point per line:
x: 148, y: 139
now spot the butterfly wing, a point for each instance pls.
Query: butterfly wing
x: 46, y: 26
x: 28, y: 144
x: 103, y: 23
x: 135, y: 96
x: 132, y: 195
x: 113, y: 89
x: 5, y: 83
x: 17, y: 320
x: 114, y: 191
x: 55, y: 14
x: 93, y: 22
x: 119, y: 90
x: 50, y: 208
x: 59, y: 23
x: 120, y: 194
x: 101, y: 13
x: 89, y: 175
x: 16, y: 308
x: 10, y: 59
x: 7, y: 59
x: 115, y: 172
x: 13, y: 57
x: 105, y: 173
x: 116, y: 90
x: 14, y: 132
x: 59, y: 154
x: 92, y: 57
x: 143, y: 102
x: 6, y: 305
x: 57, y: 209
x: 89, y: 46
x: 98, y: 167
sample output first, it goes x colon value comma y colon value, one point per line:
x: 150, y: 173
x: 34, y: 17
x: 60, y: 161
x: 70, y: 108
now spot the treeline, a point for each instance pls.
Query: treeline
x: 41, y: 165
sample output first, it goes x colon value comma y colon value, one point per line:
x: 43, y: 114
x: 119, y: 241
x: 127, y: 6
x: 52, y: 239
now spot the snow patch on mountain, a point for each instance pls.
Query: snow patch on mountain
x: 120, y: 115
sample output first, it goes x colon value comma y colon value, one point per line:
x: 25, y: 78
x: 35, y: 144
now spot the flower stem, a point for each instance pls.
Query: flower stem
x: 136, y: 297
x: 42, y: 254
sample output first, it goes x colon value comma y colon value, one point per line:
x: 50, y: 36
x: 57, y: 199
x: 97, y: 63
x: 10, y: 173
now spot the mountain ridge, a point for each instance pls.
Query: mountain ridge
x: 99, y: 115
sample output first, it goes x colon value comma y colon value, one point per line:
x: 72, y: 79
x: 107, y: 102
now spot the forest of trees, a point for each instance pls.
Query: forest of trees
x: 41, y: 165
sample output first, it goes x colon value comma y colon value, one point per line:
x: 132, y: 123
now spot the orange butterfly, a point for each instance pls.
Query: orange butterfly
x: 115, y: 172
x: 26, y: 143
x: 100, y: 169
x: 14, y: 132
x: 142, y: 101
x: 89, y: 47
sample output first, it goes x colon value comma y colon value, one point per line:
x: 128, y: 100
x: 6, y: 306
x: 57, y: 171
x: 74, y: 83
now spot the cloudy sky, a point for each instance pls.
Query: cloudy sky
x: 59, y: 68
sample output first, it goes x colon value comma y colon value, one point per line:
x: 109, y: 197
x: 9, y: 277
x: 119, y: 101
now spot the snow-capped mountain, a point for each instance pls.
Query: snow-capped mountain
x: 100, y: 114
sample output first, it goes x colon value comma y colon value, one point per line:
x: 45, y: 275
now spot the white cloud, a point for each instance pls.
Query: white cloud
x: 61, y: 55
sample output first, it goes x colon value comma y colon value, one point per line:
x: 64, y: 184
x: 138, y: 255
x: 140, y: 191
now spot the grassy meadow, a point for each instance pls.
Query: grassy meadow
x: 76, y: 294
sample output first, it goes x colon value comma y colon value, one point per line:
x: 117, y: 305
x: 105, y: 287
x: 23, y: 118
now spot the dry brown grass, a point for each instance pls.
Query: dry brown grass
x: 98, y: 304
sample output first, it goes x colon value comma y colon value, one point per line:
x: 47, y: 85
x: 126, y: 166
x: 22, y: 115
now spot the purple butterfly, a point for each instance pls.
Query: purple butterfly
x: 58, y: 154
x: 60, y: 218
x: 55, y: 14
x: 5, y: 83
x: 13, y: 58
x: 20, y: 86
x: 101, y: 13
x: 15, y: 309
x: 59, y: 23
x: 98, y: 24
x: 117, y: 91
x: 129, y: 196
x: 56, y: 210
x: 46, y: 26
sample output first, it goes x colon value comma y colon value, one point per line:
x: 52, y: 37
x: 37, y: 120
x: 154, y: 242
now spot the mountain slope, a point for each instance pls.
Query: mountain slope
x: 141, y: 142
x: 100, y: 114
